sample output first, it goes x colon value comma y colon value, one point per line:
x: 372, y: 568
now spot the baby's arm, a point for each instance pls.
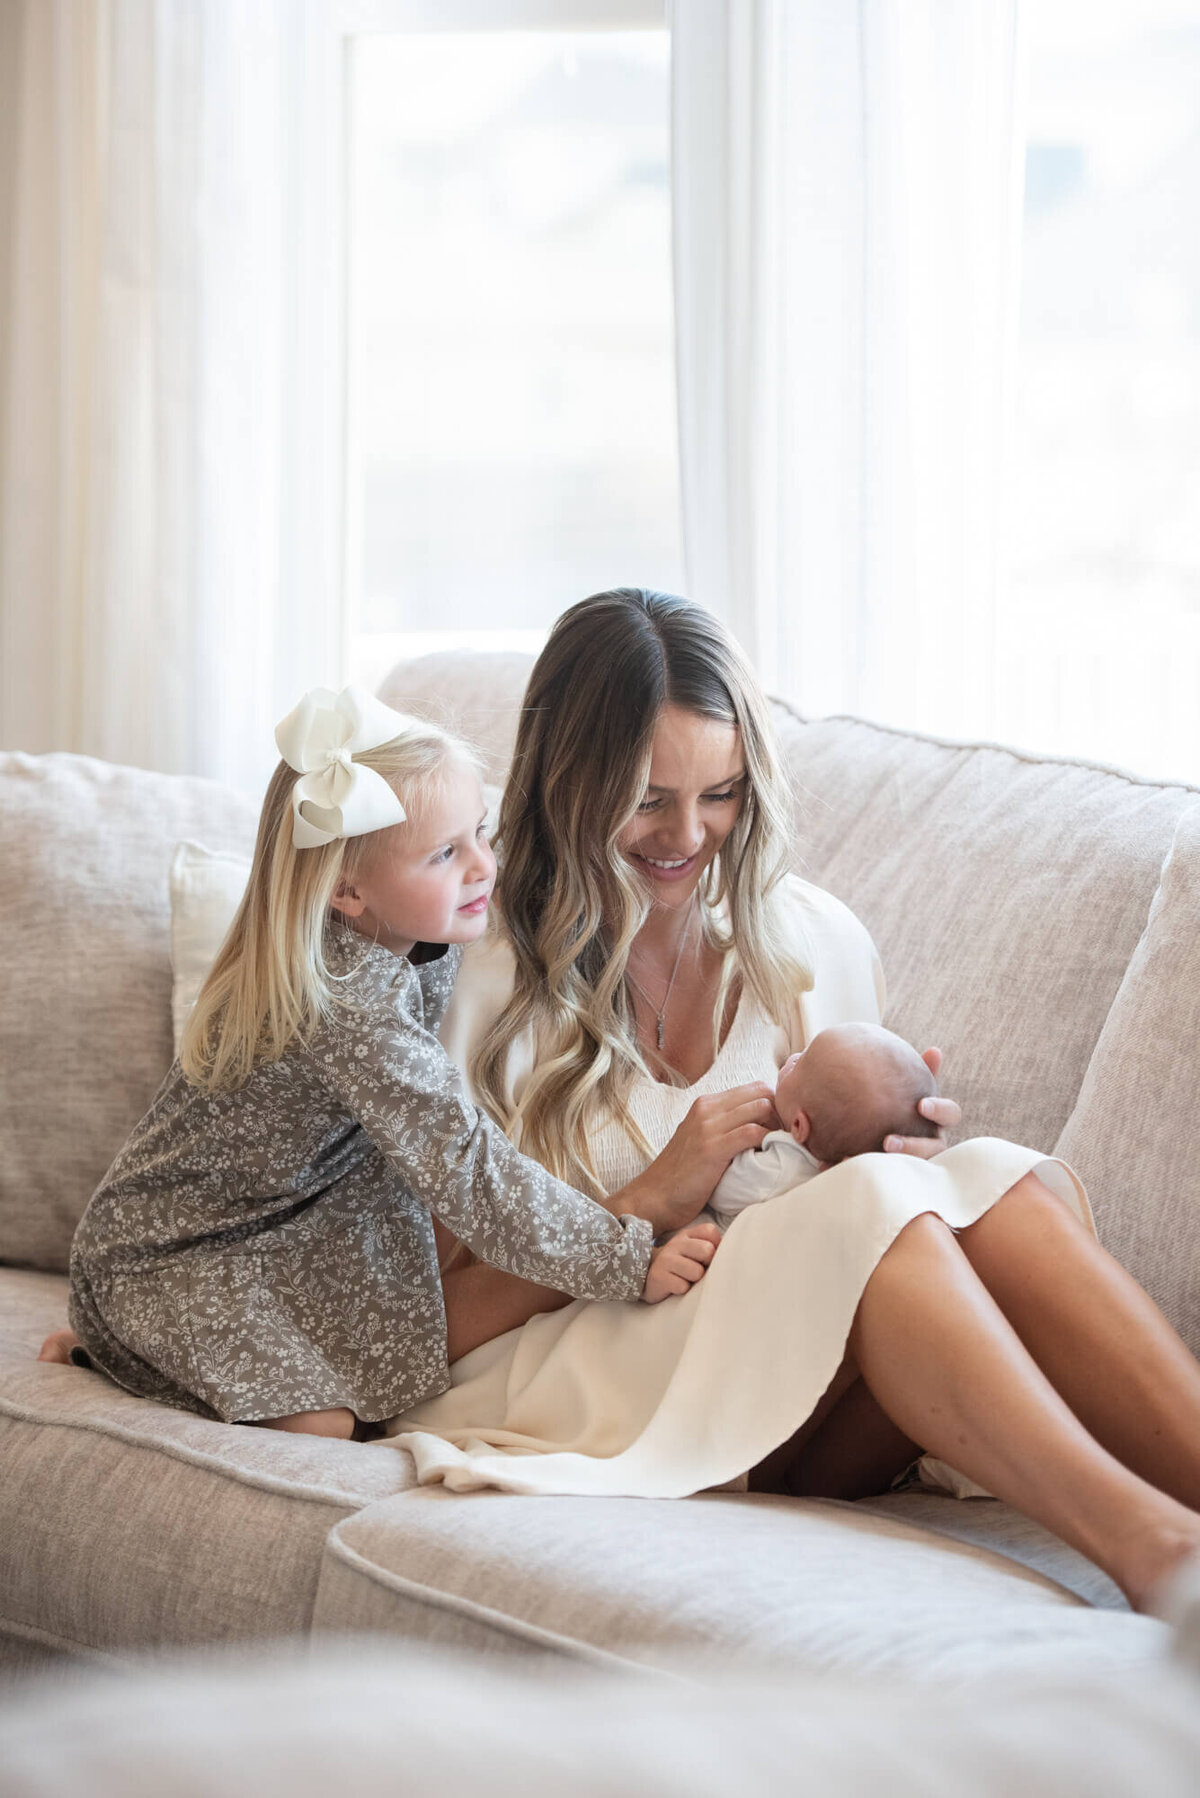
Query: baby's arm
x: 759, y: 1174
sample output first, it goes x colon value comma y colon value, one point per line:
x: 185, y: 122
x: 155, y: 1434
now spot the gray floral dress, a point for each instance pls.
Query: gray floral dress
x: 271, y: 1250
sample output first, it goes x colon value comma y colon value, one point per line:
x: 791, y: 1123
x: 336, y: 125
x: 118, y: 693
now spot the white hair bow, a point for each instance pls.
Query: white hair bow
x: 335, y: 795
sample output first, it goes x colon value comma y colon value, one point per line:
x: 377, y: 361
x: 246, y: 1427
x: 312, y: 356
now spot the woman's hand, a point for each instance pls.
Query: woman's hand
x: 678, y: 1183
x: 942, y: 1112
x: 678, y: 1264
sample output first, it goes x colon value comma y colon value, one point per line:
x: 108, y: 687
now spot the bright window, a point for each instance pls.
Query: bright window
x: 511, y: 430
x: 1099, y: 639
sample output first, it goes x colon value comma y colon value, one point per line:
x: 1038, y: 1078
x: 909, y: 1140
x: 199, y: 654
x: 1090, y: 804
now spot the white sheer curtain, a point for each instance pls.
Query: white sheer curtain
x: 847, y: 199
x: 168, y: 354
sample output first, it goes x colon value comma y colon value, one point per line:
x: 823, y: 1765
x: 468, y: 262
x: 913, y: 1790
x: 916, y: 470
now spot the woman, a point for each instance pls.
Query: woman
x: 656, y: 966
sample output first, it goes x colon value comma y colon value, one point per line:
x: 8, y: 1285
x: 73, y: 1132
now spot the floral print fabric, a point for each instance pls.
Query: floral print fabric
x: 271, y: 1250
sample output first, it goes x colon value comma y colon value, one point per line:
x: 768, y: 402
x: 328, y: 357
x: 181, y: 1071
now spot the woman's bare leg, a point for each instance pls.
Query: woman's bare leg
x: 58, y: 1346
x: 775, y: 1473
x: 848, y: 1448
x: 948, y: 1369
x: 1097, y: 1336
x: 482, y: 1303
x: 856, y: 1453
x: 339, y: 1422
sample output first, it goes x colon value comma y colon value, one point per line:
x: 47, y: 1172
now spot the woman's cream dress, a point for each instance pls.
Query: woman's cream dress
x: 664, y: 1400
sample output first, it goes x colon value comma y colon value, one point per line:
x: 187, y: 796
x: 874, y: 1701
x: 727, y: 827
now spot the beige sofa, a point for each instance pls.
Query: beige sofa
x: 1036, y: 918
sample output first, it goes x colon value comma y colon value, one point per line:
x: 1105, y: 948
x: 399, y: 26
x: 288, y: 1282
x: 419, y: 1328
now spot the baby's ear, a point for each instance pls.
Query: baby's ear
x: 801, y: 1128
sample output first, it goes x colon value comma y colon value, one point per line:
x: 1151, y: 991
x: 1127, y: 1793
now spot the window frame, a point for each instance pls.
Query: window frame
x: 347, y: 21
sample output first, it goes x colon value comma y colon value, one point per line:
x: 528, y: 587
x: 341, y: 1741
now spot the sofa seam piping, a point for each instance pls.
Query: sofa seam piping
x: 1028, y: 757
x: 48, y: 1638
x: 501, y: 1621
x: 194, y: 1458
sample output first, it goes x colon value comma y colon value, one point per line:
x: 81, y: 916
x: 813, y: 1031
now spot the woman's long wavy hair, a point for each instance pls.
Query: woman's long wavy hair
x: 568, y: 898
x: 271, y: 983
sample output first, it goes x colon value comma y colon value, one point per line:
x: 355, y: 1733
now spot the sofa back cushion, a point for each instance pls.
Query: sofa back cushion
x: 85, y: 973
x: 1132, y: 1132
x: 474, y: 692
x: 1006, y: 894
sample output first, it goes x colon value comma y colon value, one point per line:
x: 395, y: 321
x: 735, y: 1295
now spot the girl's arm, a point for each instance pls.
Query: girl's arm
x: 394, y: 1077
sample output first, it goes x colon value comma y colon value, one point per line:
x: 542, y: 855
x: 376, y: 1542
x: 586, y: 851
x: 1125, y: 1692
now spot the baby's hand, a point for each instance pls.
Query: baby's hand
x: 679, y: 1263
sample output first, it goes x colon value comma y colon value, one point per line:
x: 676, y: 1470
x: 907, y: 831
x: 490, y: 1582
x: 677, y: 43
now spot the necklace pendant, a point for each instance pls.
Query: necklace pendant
x: 660, y: 1032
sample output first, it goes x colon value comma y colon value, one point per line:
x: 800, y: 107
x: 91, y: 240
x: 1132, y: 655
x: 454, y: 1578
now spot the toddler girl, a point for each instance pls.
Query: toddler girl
x: 263, y: 1248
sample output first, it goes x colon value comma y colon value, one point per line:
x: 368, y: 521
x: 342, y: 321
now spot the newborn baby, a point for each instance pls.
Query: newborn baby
x: 853, y: 1085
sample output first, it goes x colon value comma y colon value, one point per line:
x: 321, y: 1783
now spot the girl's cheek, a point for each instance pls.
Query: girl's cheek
x: 416, y: 894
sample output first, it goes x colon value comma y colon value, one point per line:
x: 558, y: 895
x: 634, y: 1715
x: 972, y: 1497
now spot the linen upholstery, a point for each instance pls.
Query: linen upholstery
x: 1005, y: 893
x: 381, y: 1719
x: 85, y: 1027
x: 816, y: 1586
x: 1132, y: 1133
x: 124, y: 1523
x: 476, y: 693
x: 985, y: 1523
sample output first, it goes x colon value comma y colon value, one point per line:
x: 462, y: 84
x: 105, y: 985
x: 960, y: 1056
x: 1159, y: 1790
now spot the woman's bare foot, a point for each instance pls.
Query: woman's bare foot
x: 58, y: 1346
x: 339, y: 1422
x: 1151, y: 1570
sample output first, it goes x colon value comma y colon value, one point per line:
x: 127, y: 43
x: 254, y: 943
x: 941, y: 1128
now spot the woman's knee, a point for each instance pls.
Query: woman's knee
x: 1035, y: 1193
x: 925, y: 1234
x: 925, y: 1248
x: 1028, y: 1211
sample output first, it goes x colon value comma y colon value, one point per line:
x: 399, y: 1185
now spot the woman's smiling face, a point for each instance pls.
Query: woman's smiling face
x: 694, y: 794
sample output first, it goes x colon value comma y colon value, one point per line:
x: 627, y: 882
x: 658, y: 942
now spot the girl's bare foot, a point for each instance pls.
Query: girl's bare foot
x: 58, y: 1346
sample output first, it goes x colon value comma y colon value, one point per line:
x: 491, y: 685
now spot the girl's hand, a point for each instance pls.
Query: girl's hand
x: 678, y: 1264
x: 678, y: 1183
x: 942, y: 1112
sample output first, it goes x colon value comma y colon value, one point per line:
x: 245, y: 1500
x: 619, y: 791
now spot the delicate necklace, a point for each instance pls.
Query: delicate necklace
x: 660, y: 1016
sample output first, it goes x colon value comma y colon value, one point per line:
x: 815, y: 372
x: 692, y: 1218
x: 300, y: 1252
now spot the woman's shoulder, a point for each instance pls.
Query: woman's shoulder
x: 822, y: 916
x: 847, y: 975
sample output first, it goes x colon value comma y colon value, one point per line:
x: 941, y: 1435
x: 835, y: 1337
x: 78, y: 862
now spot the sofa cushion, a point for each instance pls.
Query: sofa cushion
x: 206, y: 890
x: 1006, y: 894
x: 421, y: 1723
x: 381, y: 1719
x: 749, y: 1579
x: 476, y: 693
x: 85, y: 1024
x: 125, y: 1524
x: 1132, y: 1132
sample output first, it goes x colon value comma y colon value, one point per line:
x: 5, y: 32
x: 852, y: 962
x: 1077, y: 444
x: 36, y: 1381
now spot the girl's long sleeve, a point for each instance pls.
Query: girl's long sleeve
x: 395, y: 1079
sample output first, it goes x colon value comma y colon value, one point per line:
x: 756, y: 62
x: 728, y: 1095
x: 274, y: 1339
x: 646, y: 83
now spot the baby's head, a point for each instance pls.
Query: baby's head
x: 853, y: 1085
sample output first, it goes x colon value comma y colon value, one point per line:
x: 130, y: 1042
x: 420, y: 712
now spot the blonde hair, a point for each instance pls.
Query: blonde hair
x: 569, y: 901
x: 270, y: 983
